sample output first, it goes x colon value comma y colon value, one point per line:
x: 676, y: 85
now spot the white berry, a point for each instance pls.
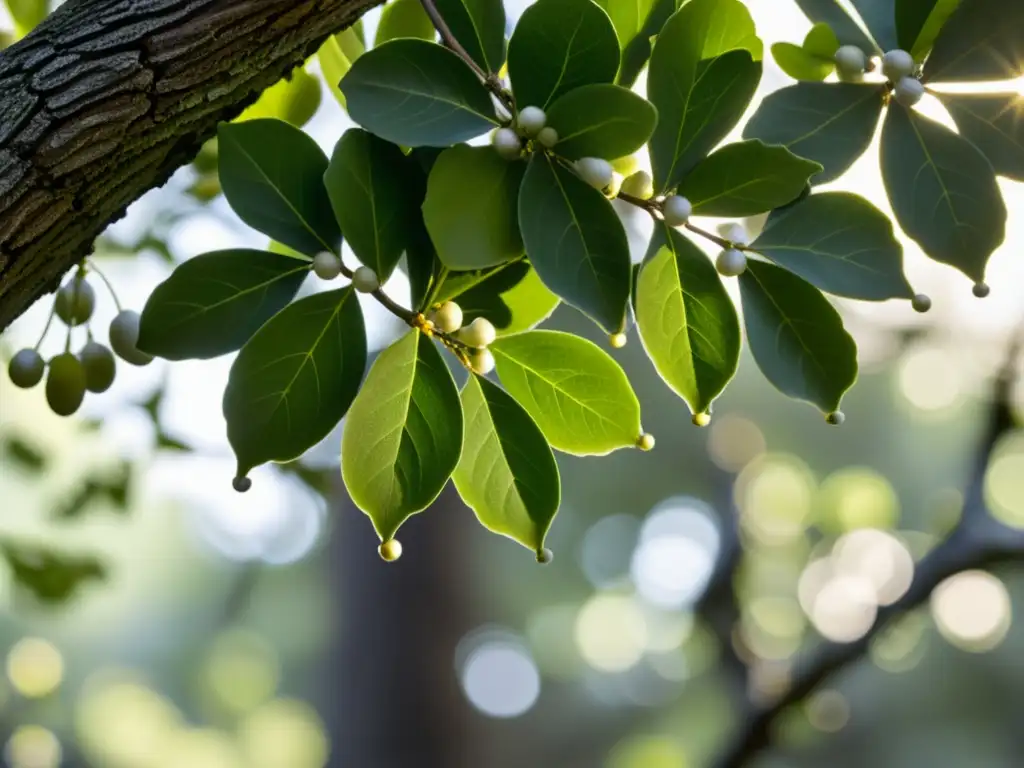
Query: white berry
x: 365, y: 280
x: 507, y: 142
x: 596, y: 172
x: 547, y: 137
x: 448, y: 317
x: 908, y: 91
x: 850, y: 61
x: 531, y: 120
x: 326, y: 265
x: 124, y: 338
x: 896, y: 64
x: 639, y: 185
x: 481, y: 361
x: 731, y: 263
x: 676, y: 210
x: 736, y: 233
x: 480, y: 333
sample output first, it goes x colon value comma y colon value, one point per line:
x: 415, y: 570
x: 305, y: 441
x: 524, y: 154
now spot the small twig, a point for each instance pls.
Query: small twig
x: 106, y: 282
x: 653, y: 207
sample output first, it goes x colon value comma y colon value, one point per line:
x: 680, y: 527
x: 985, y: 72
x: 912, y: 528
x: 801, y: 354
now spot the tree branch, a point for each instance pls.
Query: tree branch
x: 107, y: 98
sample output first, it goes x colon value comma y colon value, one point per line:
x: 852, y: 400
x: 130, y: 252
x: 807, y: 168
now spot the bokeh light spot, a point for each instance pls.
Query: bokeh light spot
x: 857, y: 497
x: 676, y: 554
x: 1004, y: 481
x: 930, y: 378
x: 648, y: 752
x: 32, y: 746
x: 828, y: 711
x: 611, y: 632
x: 241, y: 671
x: 500, y: 679
x: 774, y: 496
x: 284, y: 732
x: 972, y: 610
x: 35, y: 667
x: 734, y: 442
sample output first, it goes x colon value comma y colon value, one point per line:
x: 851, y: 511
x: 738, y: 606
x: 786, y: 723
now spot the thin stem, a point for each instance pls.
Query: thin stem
x: 46, y: 328
x: 720, y: 241
x: 653, y: 207
x: 435, y: 287
x: 110, y: 288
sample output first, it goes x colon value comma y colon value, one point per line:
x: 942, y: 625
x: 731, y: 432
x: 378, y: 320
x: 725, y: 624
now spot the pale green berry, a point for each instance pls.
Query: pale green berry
x: 99, y: 365
x: 241, y: 484
x: 897, y: 64
x: 390, y: 550
x: 531, y: 120
x: 850, y: 61
x: 75, y: 302
x: 676, y: 210
x: 638, y: 185
x: 547, y: 137
x: 596, y: 172
x: 448, y: 317
x: 701, y: 419
x: 326, y: 265
x: 507, y: 143
x: 481, y: 361
x: 26, y: 368
x: 836, y: 418
x: 365, y: 280
x: 545, y: 556
x: 65, y: 385
x: 627, y: 165
x: 921, y: 302
x: 731, y: 263
x: 645, y: 442
x: 981, y: 290
x: 124, y: 338
x: 908, y: 91
x: 480, y: 333
x: 736, y: 234
x: 617, y: 340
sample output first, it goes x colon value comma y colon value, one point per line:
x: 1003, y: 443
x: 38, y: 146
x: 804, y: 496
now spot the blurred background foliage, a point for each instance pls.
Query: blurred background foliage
x: 154, y: 619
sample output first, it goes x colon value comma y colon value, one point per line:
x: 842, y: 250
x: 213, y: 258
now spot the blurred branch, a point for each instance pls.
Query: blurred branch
x: 978, y: 541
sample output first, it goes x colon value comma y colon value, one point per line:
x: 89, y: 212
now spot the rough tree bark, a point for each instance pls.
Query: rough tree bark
x: 106, y: 98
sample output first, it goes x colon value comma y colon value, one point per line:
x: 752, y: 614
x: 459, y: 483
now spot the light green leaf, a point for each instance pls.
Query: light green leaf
x: 831, y: 12
x: 704, y: 70
x: 918, y: 23
x: 745, y: 179
x: 628, y: 17
x: 507, y: 474
x: 471, y: 208
x: 479, y: 25
x: 994, y: 123
x: 403, y: 18
x: 840, y: 243
x: 415, y: 93
x: 26, y: 14
x: 272, y: 175
x: 578, y: 395
x: 981, y: 41
x: 687, y: 321
x: 368, y: 185
x: 800, y: 64
x: 511, y: 296
x: 214, y: 303
x: 403, y: 436
x: 822, y: 42
x: 943, y: 191
x: 575, y: 241
x: 294, y: 99
x: 601, y: 120
x: 830, y: 123
x: 294, y: 380
x: 796, y: 336
x: 557, y: 46
x: 636, y: 53
x: 336, y: 56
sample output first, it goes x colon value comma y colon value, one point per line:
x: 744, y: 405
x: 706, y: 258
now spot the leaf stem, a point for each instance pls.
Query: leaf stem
x: 106, y: 282
x: 653, y: 207
x: 46, y: 328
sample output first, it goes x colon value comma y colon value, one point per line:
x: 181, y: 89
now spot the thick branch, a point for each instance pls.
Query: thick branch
x: 106, y: 98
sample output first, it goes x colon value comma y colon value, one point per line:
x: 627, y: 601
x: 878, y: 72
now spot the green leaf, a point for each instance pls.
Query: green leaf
x: 578, y: 395
x: 796, y: 336
x: 470, y: 209
x: 799, y: 64
x: 981, y: 41
x: 479, y: 25
x: 830, y: 123
x: 704, y: 70
x: 294, y: 99
x: 846, y: 30
x: 878, y: 17
x: 821, y: 41
x: 557, y: 46
x: 336, y: 56
x: 214, y: 303
x: 403, y: 436
x: 26, y: 14
x: 638, y: 51
x: 368, y: 186
x: 272, y: 175
x: 601, y: 120
x: 840, y: 243
x: 511, y: 296
x: 628, y: 17
x: 295, y: 379
x: 507, y: 474
x: 51, y: 576
x: 918, y: 23
x: 403, y: 18
x: 994, y: 123
x: 415, y: 93
x: 687, y: 321
x: 745, y: 179
x: 943, y: 191
x: 575, y: 241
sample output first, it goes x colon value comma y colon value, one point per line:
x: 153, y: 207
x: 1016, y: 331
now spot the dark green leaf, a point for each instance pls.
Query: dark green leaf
x: 403, y: 436
x: 575, y: 241
x: 510, y: 296
x: 830, y: 12
x: 18, y: 452
x: 878, y: 16
x: 403, y: 18
x: 994, y: 123
x: 578, y: 395
x: 295, y: 379
x: 686, y: 319
x: 601, y: 120
x: 479, y: 25
x: 943, y: 191
x: 272, y: 175
x: 745, y: 179
x: 830, y: 123
x: 213, y: 303
x: 557, y: 46
x: 704, y: 70
x: 471, y: 207
x: 839, y: 242
x: 799, y: 64
x: 369, y: 189
x: 507, y: 474
x: 51, y: 576
x: 980, y: 41
x: 796, y: 336
x: 638, y: 51
x: 415, y: 93
x: 918, y: 23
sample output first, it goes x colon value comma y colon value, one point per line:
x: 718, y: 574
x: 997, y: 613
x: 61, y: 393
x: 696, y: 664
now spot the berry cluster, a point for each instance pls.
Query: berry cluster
x: 898, y: 66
